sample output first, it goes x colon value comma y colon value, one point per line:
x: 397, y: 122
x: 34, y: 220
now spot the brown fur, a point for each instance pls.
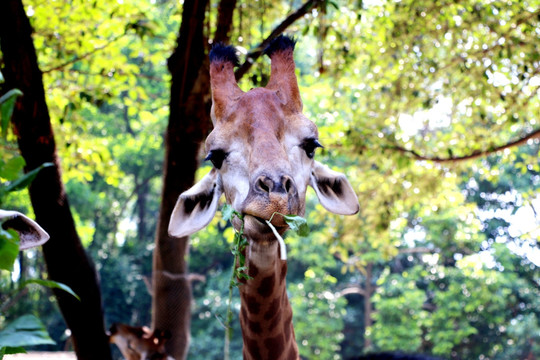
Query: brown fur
x: 139, y: 343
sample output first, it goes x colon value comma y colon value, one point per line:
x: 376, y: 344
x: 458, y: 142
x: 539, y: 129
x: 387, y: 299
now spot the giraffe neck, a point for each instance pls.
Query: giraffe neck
x: 266, y: 314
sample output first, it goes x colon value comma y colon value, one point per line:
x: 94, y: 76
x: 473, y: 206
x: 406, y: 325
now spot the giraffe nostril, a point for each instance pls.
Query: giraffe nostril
x: 287, y: 184
x: 264, y: 184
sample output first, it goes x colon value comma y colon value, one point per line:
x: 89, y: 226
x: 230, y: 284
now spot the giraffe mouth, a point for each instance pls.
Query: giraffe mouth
x: 255, y: 227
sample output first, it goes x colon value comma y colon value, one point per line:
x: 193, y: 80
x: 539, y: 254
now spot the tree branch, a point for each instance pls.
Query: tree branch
x: 257, y: 52
x: 475, y: 154
x: 417, y: 250
x: 352, y: 290
x: 225, y: 15
x: 85, y: 55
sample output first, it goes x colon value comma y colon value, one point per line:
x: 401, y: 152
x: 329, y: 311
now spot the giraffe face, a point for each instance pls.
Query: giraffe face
x: 263, y: 154
x: 262, y: 148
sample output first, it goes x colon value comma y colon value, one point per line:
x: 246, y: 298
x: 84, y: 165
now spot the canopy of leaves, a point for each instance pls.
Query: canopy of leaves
x: 429, y: 107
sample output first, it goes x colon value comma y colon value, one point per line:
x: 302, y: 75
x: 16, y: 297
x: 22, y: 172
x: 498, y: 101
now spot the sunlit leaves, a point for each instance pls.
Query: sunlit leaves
x: 319, y: 332
x: 9, y: 248
x: 399, y: 314
x: 7, y: 103
x: 52, y: 285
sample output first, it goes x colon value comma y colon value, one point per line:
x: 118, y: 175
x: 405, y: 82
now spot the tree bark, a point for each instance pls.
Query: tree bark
x: 66, y: 259
x: 224, y: 22
x: 188, y: 125
x: 368, y: 306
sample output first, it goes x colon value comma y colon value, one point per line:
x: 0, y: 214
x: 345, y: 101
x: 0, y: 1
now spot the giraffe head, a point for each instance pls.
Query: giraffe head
x: 139, y: 343
x: 262, y: 148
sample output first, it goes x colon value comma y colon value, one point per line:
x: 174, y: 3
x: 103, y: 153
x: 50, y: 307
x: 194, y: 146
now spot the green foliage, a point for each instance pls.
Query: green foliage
x: 9, y: 248
x: 25, y: 331
x: 7, y: 103
x: 239, y: 269
x: 51, y: 285
x: 296, y: 223
x: 390, y: 86
x: 318, y: 315
x: 400, y: 315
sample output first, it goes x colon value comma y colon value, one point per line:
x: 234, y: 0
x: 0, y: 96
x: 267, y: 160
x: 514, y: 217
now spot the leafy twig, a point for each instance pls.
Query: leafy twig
x: 238, y: 271
x: 296, y: 223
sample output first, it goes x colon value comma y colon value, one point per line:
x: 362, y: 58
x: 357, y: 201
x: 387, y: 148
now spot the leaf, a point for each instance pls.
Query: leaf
x: 11, y: 168
x: 9, y: 248
x: 27, y: 330
x: 7, y: 103
x: 52, y: 285
x: 26, y: 179
x: 227, y: 211
x: 297, y: 224
x: 13, y: 350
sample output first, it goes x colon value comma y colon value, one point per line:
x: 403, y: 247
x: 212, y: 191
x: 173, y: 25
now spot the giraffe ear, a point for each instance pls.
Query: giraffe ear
x: 196, y: 207
x: 333, y: 190
x: 30, y: 233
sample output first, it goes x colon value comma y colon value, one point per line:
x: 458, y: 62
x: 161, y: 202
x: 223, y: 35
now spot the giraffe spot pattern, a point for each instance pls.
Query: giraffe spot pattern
x: 283, y: 272
x: 253, y: 270
x: 254, y: 327
x: 252, y: 304
x: 288, y: 329
x: 275, y: 322
x: 272, y: 309
x: 293, y: 354
x: 267, y: 286
x: 275, y: 346
x: 252, y: 348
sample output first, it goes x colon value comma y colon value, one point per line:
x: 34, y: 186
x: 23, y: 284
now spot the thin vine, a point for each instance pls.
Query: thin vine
x: 239, y: 270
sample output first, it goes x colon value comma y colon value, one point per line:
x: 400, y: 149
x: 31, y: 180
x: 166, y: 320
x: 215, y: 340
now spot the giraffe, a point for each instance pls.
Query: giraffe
x: 262, y: 149
x: 139, y: 343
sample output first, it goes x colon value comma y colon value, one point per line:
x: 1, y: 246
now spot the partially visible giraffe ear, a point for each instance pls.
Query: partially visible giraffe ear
x: 196, y: 207
x: 333, y: 190
x: 30, y: 233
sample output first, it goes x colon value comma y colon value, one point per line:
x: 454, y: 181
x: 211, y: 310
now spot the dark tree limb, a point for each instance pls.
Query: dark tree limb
x: 475, y: 154
x: 65, y: 256
x: 224, y: 22
x: 258, y: 51
x: 188, y: 125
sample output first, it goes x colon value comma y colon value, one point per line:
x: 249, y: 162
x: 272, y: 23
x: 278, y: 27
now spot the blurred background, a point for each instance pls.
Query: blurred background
x: 431, y: 108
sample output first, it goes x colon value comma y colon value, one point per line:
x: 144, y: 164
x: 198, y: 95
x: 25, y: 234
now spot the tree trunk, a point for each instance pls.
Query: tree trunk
x: 66, y: 259
x: 188, y: 125
x: 368, y: 306
x: 224, y: 21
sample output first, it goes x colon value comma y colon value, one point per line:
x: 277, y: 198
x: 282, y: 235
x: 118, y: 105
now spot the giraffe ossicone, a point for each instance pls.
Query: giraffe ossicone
x: 262, y: 148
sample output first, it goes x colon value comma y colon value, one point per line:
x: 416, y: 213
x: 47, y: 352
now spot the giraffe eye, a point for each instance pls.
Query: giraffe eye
x: 309, y: 146
x: 216, y: 157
